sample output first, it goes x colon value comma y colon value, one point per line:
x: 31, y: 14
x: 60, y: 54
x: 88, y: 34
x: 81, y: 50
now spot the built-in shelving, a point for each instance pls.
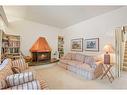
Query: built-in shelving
x: 60, y: 46
x: 9, y: 46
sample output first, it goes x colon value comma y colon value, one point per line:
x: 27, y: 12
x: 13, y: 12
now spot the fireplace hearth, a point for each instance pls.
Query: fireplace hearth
x: 40, y: 50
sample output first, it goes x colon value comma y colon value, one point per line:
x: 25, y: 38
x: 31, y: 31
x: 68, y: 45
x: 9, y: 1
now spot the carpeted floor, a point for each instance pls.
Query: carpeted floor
x: 59, y: 78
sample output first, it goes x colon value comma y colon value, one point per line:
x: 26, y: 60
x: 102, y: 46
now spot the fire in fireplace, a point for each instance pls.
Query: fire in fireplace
x: 40, y: 50
x: 41, y: 56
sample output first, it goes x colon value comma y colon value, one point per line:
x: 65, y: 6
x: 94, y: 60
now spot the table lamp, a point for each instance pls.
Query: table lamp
x: 108, y: 49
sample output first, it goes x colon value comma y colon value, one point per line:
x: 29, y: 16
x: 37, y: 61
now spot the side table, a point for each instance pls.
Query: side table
x: 107, y: 72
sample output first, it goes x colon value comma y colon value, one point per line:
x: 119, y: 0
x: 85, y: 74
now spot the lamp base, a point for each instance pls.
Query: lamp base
x: 106, y: 59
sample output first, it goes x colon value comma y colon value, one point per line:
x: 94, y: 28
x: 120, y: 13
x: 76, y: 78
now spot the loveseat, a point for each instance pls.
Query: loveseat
x: 87, y: 66
x: 8, y: 69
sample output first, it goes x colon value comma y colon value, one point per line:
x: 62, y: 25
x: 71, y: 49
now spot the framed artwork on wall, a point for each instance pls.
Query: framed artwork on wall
x: 92, y: 44
x: 77, y: 45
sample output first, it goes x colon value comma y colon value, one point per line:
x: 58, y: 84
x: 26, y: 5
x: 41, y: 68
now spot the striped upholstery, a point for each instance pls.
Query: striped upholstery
x: 83, y: 65
x: 33, y: 85
x: 20, y: 63
x: 21, y: 78
x: 84, y: 71
x: 43, y: 84
x: 90, y: 61
x: 5, y: 70
x: 3, y: 84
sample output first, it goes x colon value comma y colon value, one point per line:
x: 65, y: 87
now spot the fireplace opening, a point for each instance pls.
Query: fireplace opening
x: 41, y: 56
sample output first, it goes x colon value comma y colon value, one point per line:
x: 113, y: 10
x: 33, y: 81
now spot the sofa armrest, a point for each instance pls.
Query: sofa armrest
x: 43, y: 84
x: 98, y: 70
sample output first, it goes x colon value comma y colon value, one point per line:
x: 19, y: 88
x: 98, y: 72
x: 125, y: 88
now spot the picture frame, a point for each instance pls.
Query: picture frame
x: 77, y: 45
x: 91, y: 44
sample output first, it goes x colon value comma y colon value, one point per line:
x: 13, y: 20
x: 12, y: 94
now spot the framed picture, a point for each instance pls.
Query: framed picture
x: 77, y: 44
x: 92, y: 44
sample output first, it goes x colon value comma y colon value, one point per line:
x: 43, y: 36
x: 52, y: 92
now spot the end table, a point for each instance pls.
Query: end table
x: 107, y: 72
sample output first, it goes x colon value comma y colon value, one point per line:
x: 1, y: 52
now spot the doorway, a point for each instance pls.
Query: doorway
x: 120, y: 44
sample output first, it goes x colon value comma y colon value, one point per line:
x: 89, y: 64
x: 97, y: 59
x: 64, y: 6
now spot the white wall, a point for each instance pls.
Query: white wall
x: 31, y: 31
x: 101, y: 27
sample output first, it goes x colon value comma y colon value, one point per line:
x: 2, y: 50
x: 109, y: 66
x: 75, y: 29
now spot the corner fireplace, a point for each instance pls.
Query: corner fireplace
x: 40, y: 50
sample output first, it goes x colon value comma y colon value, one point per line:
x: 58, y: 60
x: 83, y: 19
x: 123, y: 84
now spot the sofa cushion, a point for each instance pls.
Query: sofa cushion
x: 20, y: 63
x: 33, y: 85
x: 90, y: 61
x: 73, y: 56
x: 21, y: 78
x: 67, y: 56
x: 74, y: 63
x: 80, y: 58
x: 85, y: 67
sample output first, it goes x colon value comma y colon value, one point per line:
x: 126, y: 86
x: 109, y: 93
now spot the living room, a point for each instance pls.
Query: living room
x: 39, y: 32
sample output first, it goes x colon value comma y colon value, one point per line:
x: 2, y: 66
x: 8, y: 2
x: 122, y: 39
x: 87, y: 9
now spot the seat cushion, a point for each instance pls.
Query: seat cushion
x: 20, y: 78
x: 85, y: 67
x: 74, y: 63
x: 33, y: 85
x: 68, y: 56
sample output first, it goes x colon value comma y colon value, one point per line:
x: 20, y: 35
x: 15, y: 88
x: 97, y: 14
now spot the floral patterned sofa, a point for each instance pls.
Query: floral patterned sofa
x: 87, y: 66
x: 7, y: 71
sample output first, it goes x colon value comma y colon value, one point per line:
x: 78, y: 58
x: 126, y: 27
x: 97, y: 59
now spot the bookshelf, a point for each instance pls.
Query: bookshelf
x: 60, y: 46
x: 9, y: 46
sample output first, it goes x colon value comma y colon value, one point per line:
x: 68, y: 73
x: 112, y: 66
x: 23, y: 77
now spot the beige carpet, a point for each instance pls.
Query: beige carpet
x: 59, y: 78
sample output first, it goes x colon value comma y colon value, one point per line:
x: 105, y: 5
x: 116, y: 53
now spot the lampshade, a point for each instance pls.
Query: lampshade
x: 108, y: 48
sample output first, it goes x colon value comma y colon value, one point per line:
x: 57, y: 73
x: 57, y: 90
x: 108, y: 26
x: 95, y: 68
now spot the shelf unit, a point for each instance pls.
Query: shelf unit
x: 60, y: 46
x: 9, y: 46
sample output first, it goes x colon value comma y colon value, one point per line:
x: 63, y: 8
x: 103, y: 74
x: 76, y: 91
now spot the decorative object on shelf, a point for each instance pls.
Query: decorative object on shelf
x: 77, y: 44
x: 55, y: 54
x: 108, y: 49
x: 60, y: 46
x: 92, y: 44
